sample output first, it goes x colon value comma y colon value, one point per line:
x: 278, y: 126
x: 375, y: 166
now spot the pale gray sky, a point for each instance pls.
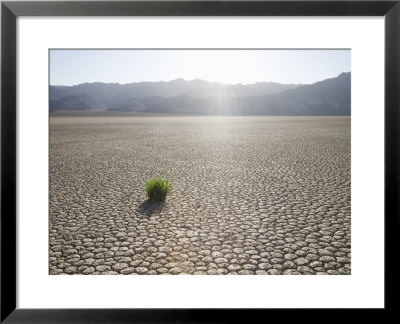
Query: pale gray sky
x: 71, y: 67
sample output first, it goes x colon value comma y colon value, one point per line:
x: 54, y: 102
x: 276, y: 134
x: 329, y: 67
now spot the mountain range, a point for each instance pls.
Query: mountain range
x: 198, y: 97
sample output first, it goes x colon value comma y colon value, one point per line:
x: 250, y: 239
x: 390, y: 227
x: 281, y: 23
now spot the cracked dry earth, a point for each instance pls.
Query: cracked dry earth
x: 251, y: 195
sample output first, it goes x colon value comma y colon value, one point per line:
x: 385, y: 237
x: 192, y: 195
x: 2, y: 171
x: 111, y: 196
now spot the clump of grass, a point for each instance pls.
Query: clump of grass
x: 157, y: 189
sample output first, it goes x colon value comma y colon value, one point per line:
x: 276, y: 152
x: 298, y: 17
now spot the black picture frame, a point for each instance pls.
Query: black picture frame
x: 11, y: 10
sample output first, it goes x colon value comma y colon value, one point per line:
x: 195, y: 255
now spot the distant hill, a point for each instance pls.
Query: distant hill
x: 328, y: 97
x: 80, y: 101
x: 117, y: 96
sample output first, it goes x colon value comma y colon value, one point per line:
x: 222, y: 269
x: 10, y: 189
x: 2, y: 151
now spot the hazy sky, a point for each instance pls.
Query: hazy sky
x: 71, y: 67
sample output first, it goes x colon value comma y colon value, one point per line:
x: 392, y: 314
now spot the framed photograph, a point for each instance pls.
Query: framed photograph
x: 197, y: 161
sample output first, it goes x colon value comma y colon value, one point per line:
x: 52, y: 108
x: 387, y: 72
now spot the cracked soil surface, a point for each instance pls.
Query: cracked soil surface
x: 251, y: 195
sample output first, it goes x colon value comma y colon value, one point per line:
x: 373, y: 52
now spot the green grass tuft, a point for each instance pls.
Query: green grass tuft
x: 157, y: 189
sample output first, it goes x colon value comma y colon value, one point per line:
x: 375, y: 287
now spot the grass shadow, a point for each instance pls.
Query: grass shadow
x: 148, y: 208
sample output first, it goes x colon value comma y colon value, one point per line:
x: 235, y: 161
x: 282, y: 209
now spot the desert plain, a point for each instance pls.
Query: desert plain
x: 251, y: 195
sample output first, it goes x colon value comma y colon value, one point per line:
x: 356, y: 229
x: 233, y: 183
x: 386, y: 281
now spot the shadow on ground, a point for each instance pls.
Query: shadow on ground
x: 148, y: 208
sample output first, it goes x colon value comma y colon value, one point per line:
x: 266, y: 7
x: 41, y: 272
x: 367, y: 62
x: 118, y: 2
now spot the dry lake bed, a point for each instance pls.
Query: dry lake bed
x: 251, y: 195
